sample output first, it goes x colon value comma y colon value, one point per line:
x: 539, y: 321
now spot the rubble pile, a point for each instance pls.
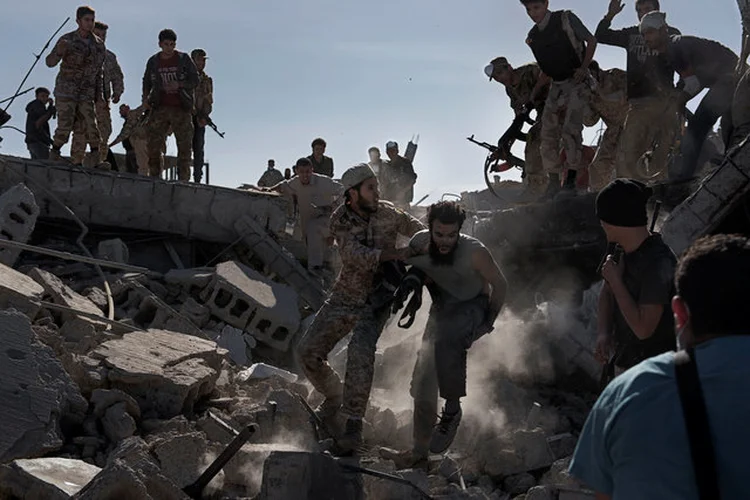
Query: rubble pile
x: 134, y: 386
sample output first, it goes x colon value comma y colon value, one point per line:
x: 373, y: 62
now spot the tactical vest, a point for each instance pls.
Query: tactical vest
x: 557, y: 56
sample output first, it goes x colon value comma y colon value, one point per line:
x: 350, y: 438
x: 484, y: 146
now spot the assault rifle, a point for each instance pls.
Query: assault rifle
x: 211, y: 124
x: 504, y: 144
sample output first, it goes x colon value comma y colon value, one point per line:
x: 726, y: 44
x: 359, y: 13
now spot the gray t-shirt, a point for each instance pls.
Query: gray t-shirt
x: 708, y: 60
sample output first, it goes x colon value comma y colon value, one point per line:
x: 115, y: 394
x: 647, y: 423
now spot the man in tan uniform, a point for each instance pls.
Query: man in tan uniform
x: 314, y: 196
x: 366, y: 230
x: 521, y: 85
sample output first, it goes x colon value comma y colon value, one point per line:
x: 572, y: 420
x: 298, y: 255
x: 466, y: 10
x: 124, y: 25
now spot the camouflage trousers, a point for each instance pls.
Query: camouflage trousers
x: 332, y: 323
x: 70, y: 111
x: 562, y: 125
x: 602, y: 169
x: 181, y: 122
x: 104, y: 124
x: 651, y: 126
x: 441, y: 362
x: 534, y: 177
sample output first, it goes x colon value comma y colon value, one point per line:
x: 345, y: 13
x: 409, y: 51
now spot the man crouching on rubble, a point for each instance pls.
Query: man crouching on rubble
x: 468, y: 291
x: 366, y: 230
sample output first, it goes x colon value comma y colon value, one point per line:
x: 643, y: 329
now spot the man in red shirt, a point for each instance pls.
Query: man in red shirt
x: 168, y: 90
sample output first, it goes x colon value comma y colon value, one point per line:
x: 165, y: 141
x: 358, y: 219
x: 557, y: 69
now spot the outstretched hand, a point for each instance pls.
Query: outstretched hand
x: 615, y: 7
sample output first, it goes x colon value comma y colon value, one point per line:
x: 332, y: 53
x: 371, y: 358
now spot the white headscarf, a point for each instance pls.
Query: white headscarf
x: 653, y: 20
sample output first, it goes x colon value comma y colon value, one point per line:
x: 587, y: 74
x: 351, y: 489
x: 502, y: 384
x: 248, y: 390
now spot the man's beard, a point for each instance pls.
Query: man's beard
x: 367, y: 207
x: 441, y: 259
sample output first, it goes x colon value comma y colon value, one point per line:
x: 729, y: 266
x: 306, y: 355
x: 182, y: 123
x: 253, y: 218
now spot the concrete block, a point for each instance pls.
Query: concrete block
x: 18, y: 291
x: 36, y: 393
x: 193, y: 280
x: 48, y: 478
x: 165, y: 372
x: 727, y: 182
x: 61, y: 294
x: 681, y: 228
x: 114, y: 250
x: 245, y: 299
x: 304, y: 476
x: 18, y: 214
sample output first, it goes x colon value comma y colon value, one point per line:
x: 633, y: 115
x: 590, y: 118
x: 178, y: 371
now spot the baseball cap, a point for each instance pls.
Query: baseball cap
x: 198, y: 52
x: 496, y: 64
x: 356, y: 175
x: 391, y: 145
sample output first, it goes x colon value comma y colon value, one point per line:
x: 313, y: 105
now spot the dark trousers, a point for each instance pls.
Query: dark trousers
x: 717, y: 103
x: 441, y: 362
x: 199, y: 143
x: 38, y: 151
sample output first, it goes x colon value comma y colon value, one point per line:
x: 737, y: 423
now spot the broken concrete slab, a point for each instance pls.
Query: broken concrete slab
x: 260, y: 243
x: 246, y: 467
x: 195, y: 312
x: 36, y: 392
x: 18, y: 291
x: 233, y: 340
x: 114, y: 250
x: 183, y: 457
x: 166, y: 372
x: 245, y: 299
x: 102, y: 399
x: 63, y: 295
x: 304, y: 476
x: 48, y: 478
x: 523, y: 451
x: 18, y: 214
x: 117, y: 423
x: 260, y: 371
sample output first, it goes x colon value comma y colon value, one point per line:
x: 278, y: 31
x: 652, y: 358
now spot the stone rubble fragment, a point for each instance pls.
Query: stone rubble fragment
x: 18, y: 214
x: 259, y: 371
x: 63, y: 295
x: 19, y: 292
x: 114, y: 250
x: 45, y: 478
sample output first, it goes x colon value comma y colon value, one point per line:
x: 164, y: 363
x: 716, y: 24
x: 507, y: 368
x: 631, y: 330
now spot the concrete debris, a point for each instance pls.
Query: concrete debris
x: 197, y: 313
x: 18, y: 214
x: 63, y: 295
x: 519, y: 483
x: 245, y: 299
x: 113, y: 250
x: 118, y: 424
x: 562, y: 445
x: 524, y: 451
x: 553, y: 493
x: 48, y: 478
x: 182, y: 457
x: 245, y: 469
x: 558, y: 475
x: 19, y: 292
x: 305, y: 476
x: 166, y: 372
x: 233, y: 340
x: 36, y: 392
x: 374, y: 487
x: 259, y: 371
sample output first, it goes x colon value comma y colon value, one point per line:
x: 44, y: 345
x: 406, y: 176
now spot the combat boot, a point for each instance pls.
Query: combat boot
x: 327, y: 413
x: 351, y: 441
x: 445, y: 431
x: 55, y: 155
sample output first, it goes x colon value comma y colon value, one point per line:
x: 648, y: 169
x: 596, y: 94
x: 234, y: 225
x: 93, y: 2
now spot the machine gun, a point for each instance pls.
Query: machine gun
x: 504, y: 144
x: 211, y: 124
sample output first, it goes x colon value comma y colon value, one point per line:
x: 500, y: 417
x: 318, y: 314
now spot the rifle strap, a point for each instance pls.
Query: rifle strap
x: 697, y: 425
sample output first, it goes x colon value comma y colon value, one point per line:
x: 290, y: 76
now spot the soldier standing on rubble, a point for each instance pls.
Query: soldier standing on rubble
x: 651, y: 124
x: 634, y: 319
x: 701, y: 64
x: 521, y: 86
x: 564, y: 48
x: 468, y: 291
x: 271, y: 176
x: 609, y: 102
x: 322, y: 164
x: 82, y: 54
x: 113, y: 86
x: 314, y: 195
x: 398, y: 177
x: 134, y: 139
x: 204, y: 100
x: 366, y: 230
x: 169, y: 84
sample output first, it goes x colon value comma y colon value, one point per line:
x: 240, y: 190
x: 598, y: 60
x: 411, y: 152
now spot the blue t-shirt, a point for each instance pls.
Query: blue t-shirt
x: 634, y: 443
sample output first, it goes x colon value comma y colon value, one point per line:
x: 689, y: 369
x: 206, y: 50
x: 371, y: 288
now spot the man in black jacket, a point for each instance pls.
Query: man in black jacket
x: 38, y: 114
x: 652, y: 120
x: 168, y: 90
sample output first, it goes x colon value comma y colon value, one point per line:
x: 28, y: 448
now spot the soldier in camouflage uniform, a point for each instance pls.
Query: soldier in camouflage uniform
x: 366, y: 230
x: 82, y: 54
x: 113, y: 83
x: 610, y: 103
x: 134, y: 140
x: 204, y: 100
x: 521, y: 87
x: 169, y: 84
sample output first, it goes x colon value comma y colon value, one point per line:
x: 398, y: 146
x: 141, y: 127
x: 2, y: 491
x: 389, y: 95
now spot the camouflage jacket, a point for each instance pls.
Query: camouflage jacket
x: 610, y: 101
x: 270, y: 178
x: 113, y: 79
x: 360, y: 244
x: 204, y: 96
x: 134, y: 127
x: 80, y: 73
x: 520, y: 93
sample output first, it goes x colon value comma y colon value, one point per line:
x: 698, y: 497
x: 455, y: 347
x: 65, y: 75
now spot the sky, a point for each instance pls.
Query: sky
x: 355, y: 73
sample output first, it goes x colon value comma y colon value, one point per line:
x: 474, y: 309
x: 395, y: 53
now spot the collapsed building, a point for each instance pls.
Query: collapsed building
x: 149, y: 330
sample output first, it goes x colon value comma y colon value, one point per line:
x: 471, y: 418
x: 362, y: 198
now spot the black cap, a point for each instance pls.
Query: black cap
x: 623, y: 203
